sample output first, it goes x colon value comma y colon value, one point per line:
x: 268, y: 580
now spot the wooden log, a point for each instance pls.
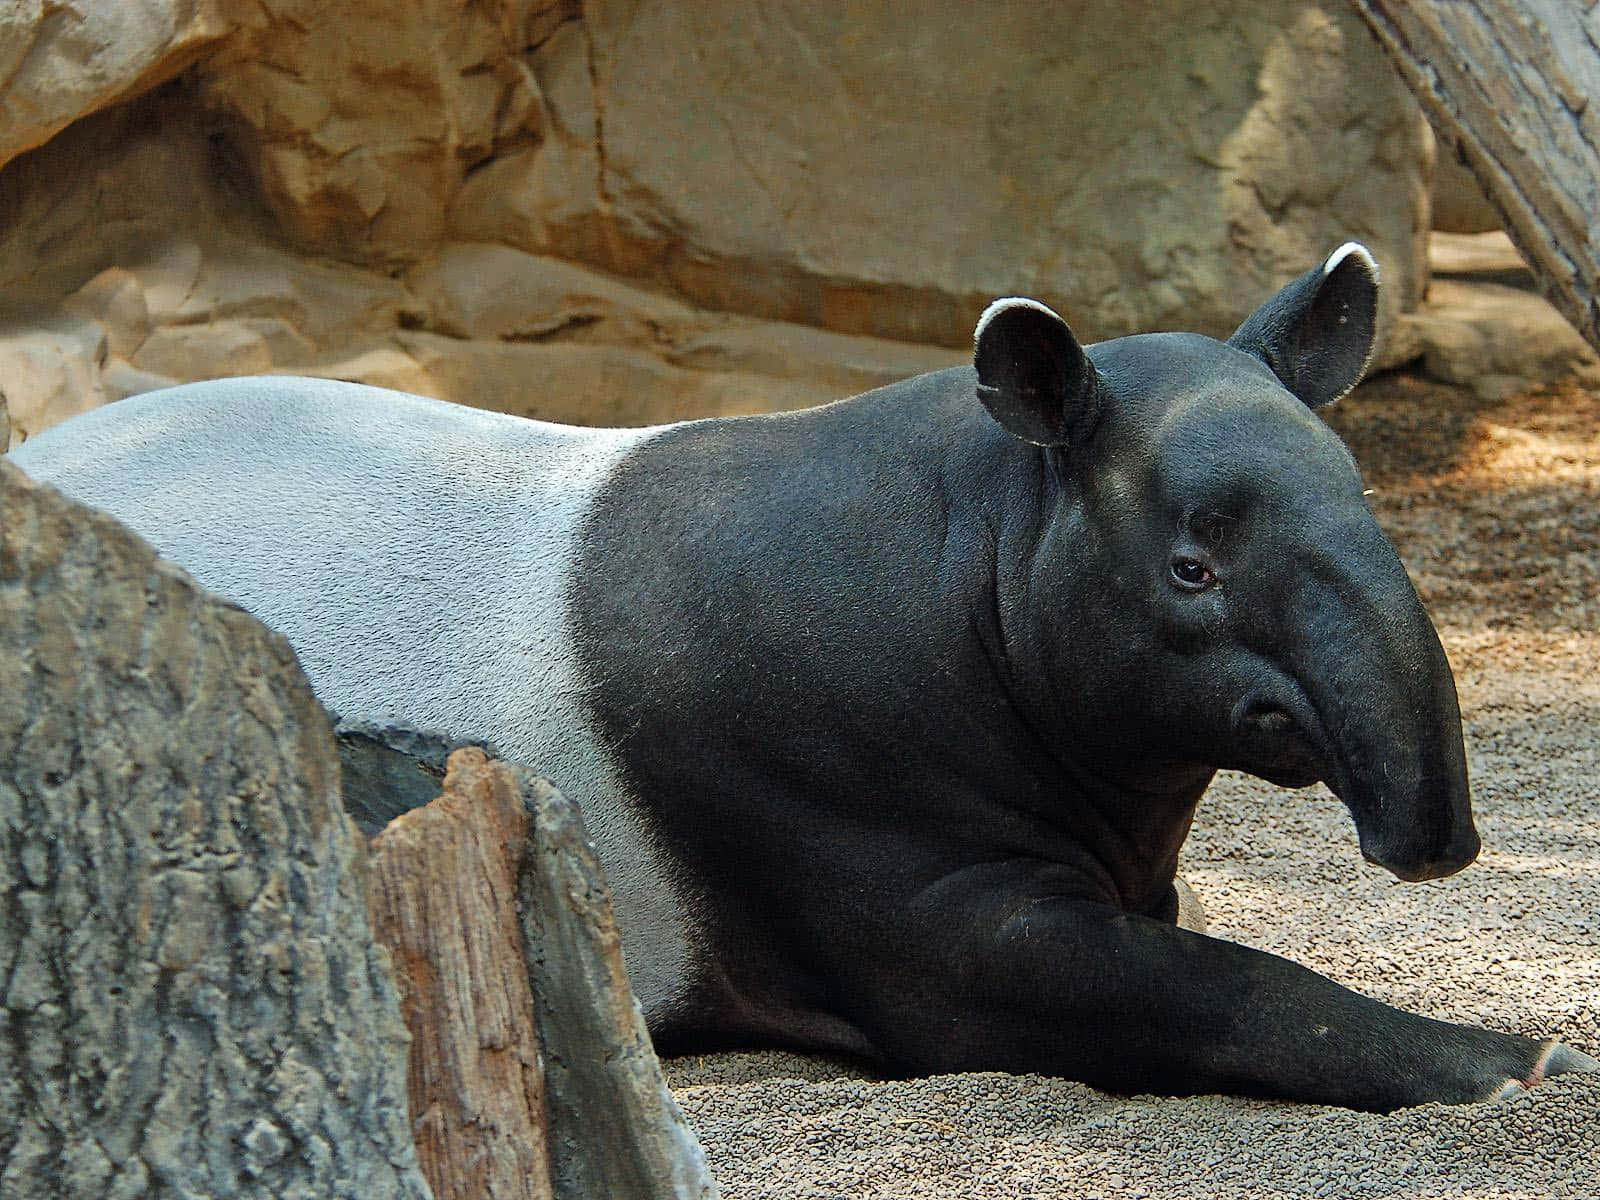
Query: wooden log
x: 498, y: 917
x: 442, y: 887
x: 1515, y: 85
x: 191, y: 1001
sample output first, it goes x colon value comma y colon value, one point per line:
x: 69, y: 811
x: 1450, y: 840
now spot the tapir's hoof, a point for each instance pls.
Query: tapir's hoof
x: 1555, y: 1059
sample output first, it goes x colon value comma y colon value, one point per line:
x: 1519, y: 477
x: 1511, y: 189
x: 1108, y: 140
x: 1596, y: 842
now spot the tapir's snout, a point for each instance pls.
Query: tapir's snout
x: 1385, y: 697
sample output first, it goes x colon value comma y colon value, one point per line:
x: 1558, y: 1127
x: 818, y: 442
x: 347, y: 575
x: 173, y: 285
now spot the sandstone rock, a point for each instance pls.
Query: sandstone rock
x: 161, y: 202
x: 592, y: 384
x: 542, y: 195
x: 119, y: 380
x: 204, y: 351
x: 193, y: 1003
x: 50, y: 370
x: 65, y: 59
x: 1458, y: 203
x: 1488, y: 257
x: 381, y: 364
x: 124, y: 188
x: 114, y: 299
x: 359, y: 118
x: 483, y: 290
x: 840, y: 170
x: 1495, y: 339
x: 842, y: 364
x: 167, y: 271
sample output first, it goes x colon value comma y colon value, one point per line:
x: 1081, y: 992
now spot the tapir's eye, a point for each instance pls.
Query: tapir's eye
x: 1192, y: 575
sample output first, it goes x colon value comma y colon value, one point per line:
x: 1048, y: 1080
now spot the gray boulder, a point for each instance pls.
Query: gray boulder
x: 192, y: 1004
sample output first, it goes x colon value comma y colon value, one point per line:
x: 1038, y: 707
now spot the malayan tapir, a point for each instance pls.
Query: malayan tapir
x: 888, y: 717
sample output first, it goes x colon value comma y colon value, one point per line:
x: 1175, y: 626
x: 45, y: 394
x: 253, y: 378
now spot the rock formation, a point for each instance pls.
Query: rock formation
x: 192, y: 1001
x: 64, y: 59
x: 375, y: 191
x: 889, y: 170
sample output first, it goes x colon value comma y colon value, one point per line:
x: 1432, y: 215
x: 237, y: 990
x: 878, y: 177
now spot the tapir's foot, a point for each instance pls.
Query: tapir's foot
x: 1190, y: 915
x: 1554, y: 1059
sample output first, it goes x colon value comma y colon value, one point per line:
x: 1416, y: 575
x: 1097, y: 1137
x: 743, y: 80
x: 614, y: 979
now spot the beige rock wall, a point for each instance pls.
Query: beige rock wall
x: 362, y: 118
x: 887, y: 169
x: 131, y: 258
x: 63, y: 59
x: 403, y: 191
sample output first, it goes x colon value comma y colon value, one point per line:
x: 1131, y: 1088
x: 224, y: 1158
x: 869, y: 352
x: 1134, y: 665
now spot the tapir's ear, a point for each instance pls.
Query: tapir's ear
x: 1033, y: 377
x: 1317, y: 333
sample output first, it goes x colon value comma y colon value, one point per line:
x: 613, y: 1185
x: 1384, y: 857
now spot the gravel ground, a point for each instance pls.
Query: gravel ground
x: 1496, y: 509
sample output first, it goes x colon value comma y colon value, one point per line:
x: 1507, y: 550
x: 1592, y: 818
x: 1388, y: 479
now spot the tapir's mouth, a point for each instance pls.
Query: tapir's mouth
x: 1277, y: 745
x: 1281, y: 738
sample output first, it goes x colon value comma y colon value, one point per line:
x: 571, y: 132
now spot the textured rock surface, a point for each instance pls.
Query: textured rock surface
x: 191, y: 1002
x: 1458, y: 203
x: 100, y: 298
x: 1508, y: 82
x: 442, y: 893
x: 614, y: 1128
x: 885, y: 171
x: 1493, y: 505
x: 360, y: 118
x: 63, y: 59
x: 1484, y: 327
x: 865, y: 173
x: 1495, y: 339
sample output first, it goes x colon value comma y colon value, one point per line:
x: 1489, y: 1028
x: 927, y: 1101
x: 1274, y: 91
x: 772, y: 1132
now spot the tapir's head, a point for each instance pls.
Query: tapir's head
x: 1235, y: 598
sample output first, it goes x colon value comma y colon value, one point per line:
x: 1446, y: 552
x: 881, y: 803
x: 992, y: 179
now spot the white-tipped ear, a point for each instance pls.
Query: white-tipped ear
x: 1033, y: 376
x: 996, y: 307
x: 1357, y: 251
x: 1319, y: 332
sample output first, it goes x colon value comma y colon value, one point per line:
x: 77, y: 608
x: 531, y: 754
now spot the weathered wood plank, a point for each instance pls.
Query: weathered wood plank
x: 442, y: 889
x: 1509, y: 83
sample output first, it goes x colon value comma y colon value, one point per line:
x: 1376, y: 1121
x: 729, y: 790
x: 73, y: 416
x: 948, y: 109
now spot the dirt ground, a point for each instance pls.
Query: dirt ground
x: 1495, y: 508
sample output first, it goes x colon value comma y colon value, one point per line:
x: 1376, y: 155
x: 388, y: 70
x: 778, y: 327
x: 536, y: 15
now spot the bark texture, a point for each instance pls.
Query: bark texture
x: 442, y: 890
x: 1510, y: 83
x: 191, y: 1001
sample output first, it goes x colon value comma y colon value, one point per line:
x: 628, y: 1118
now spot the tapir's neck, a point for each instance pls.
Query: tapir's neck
x: 1035, y: 597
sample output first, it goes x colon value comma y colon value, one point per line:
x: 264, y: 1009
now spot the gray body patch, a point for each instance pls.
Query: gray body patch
x: 444, y: 539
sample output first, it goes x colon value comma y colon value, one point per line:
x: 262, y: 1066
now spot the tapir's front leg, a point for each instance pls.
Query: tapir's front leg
x: 1132, y: 1004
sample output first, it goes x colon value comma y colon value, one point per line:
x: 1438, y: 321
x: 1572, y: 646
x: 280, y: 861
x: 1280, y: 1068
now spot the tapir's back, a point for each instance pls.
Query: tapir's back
x: 362, y: 524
